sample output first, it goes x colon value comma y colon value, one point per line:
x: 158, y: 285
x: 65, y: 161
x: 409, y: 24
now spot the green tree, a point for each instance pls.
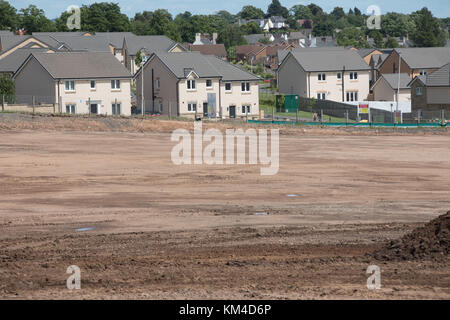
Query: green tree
x: 377, y: 37
x: 158, y: 22
x: 103, y: 17
x: 323, y: 29
x: 276, y: 9
x: 251, y: 28
x: 231, y: 53
x: 315, y: 10
x: 33, y: 19
x: 429, y: 32
x: 225, y: 15
x: 7, y: 88
x: 338, y: 13
x: 352, y: 37
x: 390, y: 43
x: 301, y: 12
x: 251, y: 12
x: 394, y: 24
x: 231, y: 36
x: 9, y: 19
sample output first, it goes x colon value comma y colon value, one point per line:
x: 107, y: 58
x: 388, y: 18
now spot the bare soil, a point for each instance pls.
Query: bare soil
x: 192, y: 232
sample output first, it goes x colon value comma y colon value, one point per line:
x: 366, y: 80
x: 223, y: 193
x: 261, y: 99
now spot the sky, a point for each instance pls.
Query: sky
x: 53, y: 8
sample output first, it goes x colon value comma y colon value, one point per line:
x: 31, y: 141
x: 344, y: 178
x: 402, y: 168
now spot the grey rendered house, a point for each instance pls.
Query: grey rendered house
x: 431, y: 92
x: 196, y: 85
x: 78, y: 82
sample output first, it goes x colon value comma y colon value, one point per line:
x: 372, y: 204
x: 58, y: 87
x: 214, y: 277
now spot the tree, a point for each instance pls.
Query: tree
x: 315, y: 10
x: 251, y: 28
x: 9, y: 19
x: 377, y: 37
x: 158, y: 22
x: 225, y: 15
x: 231, y: 36
x: 7, y: 88
x: 352, y: 37
x: 338, y: 13
x: 394, y: 24
x: 231, y: 53
x: 429, y: 32
x: 276, y: 9
x: 301, y: 12
x: 391, y: 43
x: 323, y: 29
x: 33, y: 19
x: 251, y: 12
x: 103, y: 17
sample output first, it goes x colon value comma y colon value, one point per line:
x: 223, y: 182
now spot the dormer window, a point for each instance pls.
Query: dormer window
x: 191, y: 84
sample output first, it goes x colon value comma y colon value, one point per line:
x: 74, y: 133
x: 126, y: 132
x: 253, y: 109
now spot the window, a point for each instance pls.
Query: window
x: 246, y: 109
x: 70, y: 85
x: 192, y: 107
x: 157, y: 84
x: 70, y: 108
x: 209, y: 83
x: 418, y: 91
x: 339, y: 76
x: 116, y: 108
x: 321, y: 96
x: 352, y: 96
x: 353, y: 75
x: 115, y: 84
x: 160, y: 107
x: 228, y: 86
x: 321, y: 76
x: 92, y: 84
x: 191, y: 84
x: 423, y: 72
x: 245, y: 86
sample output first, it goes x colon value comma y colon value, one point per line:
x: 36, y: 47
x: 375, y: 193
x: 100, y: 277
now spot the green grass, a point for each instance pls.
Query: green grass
x: 301, y: 114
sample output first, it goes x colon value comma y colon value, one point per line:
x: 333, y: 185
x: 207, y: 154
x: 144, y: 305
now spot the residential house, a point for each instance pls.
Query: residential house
x: 375, y: 61
x: 337, y: 75
x: 11, y: 63
x: 10, y: 43
x: 390, y: 86
x: 431, y: 92
x: 305, y: 23
x: 415, y: 61
x: 281, y: 54
x: 79, y: 82
x: 217, y: 50
x: 205, y: 38
x: 256, y: 38
x: 146, y: 45
x: 252, y: 54
x: 275, y: 22
x: 190, y: 84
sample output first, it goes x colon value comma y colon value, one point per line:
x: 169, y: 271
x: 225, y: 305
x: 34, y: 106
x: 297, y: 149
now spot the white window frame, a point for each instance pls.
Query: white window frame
x: 423, y: 72
x: 351, y: 95
x: 69, y: 82
x: 192, y: 106
x: 321, y: 77
x: 231, y: 86
x: 354, y: 75
x: 321, y: 96
x: 339, y: 75
x: 246, y: 86
x: 419, y: 91
x: 206, y: 82
x: 157, y: 84
x: 95, y: 85
x: 115, y: 84
x: 190, y: 85
x: 70, y: 105
x: 114, y: 108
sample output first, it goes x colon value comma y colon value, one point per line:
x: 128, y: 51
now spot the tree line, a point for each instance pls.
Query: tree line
x: 349, y: 27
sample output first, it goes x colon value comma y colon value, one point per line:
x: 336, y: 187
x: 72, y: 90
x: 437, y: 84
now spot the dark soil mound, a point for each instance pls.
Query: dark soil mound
x: 432, y: 241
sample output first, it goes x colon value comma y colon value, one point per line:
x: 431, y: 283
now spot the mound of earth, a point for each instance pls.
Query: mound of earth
x: 432, y: 241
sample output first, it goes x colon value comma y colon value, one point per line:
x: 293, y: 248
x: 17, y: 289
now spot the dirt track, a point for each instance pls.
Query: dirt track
x: 166, y: 231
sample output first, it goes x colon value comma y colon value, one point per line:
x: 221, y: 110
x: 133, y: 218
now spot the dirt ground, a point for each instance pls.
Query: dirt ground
x: 196, y: 232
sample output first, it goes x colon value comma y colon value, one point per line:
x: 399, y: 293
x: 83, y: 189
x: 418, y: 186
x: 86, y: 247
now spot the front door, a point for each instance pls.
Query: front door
x: 232, y: 111
x: 205, y: 109
x: 94, y: 108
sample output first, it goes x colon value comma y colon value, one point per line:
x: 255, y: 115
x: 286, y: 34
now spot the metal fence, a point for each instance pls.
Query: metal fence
x: 332, y: 111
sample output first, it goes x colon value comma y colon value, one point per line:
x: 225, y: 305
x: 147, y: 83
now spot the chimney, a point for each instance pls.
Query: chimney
x: 214, y: 37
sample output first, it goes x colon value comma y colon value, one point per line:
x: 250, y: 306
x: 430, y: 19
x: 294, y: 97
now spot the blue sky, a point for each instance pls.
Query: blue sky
x: 53, y: 8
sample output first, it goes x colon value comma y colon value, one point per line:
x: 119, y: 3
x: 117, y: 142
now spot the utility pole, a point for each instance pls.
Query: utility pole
x: 398, y: 83
x: 343, y: 93
x: 142, y: 90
